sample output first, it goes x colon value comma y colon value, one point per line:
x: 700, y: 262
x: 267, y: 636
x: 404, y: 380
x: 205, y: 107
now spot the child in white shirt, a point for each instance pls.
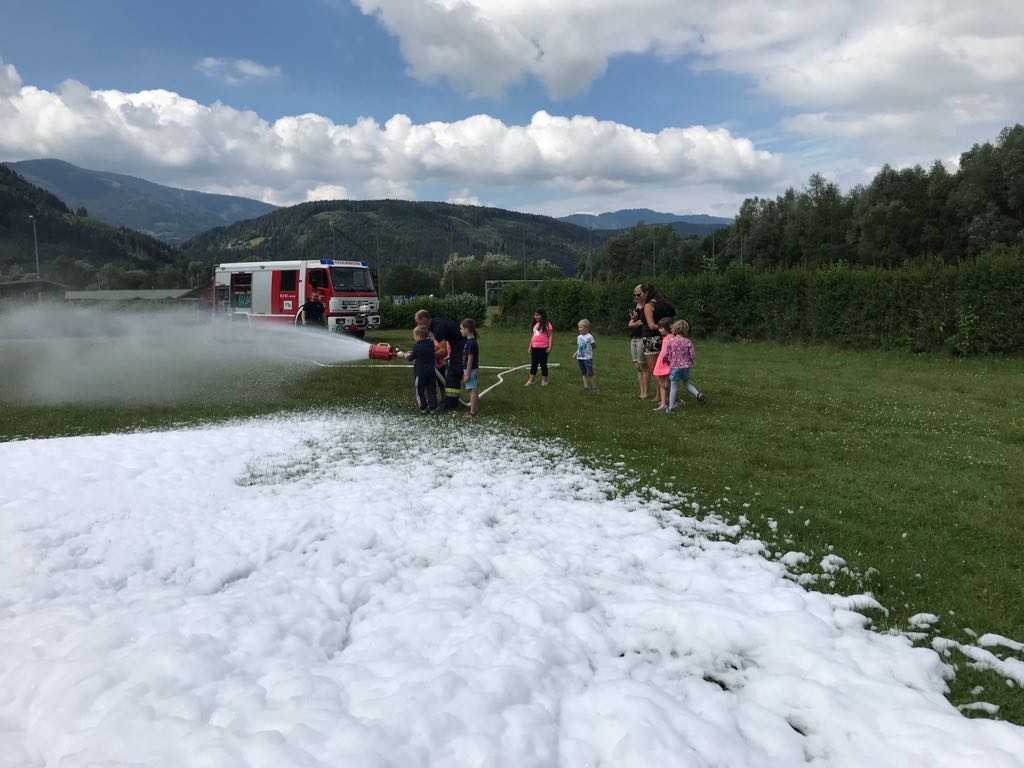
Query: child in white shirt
x: 584, y: 355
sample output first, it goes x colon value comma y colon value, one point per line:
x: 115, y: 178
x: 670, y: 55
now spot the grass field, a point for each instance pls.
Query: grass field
x: 910, y: 468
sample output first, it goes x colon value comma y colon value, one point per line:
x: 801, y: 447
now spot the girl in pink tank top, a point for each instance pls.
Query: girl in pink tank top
x: 542, y: 335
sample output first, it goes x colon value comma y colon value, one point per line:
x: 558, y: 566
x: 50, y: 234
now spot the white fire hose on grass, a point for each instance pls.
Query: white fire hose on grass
x: 501, y: 376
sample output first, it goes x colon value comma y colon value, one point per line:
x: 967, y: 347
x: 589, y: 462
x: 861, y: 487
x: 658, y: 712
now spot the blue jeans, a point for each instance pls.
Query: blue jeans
x: 679, y: 375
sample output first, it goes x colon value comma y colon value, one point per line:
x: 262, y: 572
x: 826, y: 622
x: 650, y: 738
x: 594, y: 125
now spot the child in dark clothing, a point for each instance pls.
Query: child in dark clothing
x: 423, y: 370
x: 471, y: 365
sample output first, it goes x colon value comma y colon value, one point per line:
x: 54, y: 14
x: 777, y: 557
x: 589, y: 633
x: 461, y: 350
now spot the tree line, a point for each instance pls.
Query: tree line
x: 902, y: 217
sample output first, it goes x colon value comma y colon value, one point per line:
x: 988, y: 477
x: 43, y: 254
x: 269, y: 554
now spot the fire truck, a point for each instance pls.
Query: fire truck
x: 274, y: 292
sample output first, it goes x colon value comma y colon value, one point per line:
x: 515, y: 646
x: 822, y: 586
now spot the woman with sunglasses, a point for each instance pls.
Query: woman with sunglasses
x: 636, y: 342
x: 655, y: 308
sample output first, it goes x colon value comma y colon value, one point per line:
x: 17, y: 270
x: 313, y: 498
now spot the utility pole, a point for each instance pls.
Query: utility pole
x: 590, y: 253
x: 451, y: 249
x: 35, y: 242
x: 380, y: 267
x: 654, y: 253
x: 524, y: 253
x: 345, y: 235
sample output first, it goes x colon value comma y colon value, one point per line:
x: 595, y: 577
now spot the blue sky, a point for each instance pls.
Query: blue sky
x: 553, y: 107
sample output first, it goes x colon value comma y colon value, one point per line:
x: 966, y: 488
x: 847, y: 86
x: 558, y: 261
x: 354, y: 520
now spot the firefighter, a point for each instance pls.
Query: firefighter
x: 312, y: 312
x: 444, y: 329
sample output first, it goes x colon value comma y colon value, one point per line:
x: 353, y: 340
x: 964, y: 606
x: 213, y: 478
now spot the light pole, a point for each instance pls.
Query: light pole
x: 35, y: 242
x: 590, y: 253
x: 451, y: 251
x: 654, y: 252
x: 380, y: 267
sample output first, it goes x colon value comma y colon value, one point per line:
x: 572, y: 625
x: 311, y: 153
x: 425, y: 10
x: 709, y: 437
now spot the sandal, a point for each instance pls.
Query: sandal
x: 469, y: 415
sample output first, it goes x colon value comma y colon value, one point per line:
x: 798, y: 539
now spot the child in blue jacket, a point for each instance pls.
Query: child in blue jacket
x: 424, y: 369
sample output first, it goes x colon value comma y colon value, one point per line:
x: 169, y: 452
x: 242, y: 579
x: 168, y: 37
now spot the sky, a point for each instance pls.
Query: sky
x: 250, y: 599
x: 552, y: 107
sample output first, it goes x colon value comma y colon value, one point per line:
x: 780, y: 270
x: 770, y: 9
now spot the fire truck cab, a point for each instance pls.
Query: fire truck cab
x: 274, y: 291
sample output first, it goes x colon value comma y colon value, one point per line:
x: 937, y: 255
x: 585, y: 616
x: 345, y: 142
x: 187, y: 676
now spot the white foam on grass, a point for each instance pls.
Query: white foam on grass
x: 357, y: 589
x: 990, y: 639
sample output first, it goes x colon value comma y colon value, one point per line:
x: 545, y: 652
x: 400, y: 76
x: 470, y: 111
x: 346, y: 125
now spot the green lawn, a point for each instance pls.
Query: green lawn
x: 911, y: 468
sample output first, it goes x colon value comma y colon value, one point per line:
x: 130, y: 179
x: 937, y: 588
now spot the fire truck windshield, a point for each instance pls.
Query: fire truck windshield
x: 351, y: 279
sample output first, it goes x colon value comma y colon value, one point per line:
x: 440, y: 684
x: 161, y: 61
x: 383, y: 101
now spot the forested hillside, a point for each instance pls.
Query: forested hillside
x: 74, y: 249
x: 687, y: 224
x: 395, y: 232
x: 167, y: 213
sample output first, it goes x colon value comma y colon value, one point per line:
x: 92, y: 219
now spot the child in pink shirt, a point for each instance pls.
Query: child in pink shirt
x: 542, y: 336
x: 661, y: 369
x: 679, y: 356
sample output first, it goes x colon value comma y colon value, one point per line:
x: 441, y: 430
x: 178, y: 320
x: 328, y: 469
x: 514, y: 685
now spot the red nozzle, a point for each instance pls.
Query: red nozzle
x: 382, y: 351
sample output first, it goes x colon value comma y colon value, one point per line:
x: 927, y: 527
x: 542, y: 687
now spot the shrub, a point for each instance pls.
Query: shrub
x: 456, y: 307
x: 967, y: 309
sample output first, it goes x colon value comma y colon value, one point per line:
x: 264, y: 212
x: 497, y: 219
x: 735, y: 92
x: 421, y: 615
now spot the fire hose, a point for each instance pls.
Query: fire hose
x: 384, y: 351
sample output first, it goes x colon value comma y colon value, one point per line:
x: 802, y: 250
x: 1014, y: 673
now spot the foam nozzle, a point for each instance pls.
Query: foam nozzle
x: 384, y: 351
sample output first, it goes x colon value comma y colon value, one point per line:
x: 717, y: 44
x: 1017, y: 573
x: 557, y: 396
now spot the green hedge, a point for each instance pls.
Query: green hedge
x: 968, y: 309
x: 457, y: 307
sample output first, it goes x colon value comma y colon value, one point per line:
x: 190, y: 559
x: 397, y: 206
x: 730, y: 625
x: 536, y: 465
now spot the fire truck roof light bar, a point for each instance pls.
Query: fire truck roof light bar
x: 344, y: 263
x: 251, y: 266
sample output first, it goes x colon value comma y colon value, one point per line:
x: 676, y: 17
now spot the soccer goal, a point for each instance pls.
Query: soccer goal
x: 493, y: 288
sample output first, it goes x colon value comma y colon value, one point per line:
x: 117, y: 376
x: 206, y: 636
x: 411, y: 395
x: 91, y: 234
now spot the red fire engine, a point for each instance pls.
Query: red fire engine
x: 274, y: 291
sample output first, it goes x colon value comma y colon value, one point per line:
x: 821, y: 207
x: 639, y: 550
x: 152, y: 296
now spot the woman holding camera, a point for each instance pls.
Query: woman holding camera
x: 655, y: 308
x: 636, y: 343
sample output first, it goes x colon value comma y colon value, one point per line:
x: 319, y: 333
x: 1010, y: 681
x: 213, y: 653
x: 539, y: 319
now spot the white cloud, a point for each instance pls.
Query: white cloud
x: 165, y: 137
x: 914, y: 60
x: 236, y: 71
x: 848, y: 126
x: 327, y: 192
x: 487, y: 45
x: 10, y: 81
x: 464, y: 196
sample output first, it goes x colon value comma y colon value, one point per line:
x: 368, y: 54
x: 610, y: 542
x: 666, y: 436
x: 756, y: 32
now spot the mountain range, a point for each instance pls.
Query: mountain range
x: 176, y: 215
x: 395, y: 232
x: 685, y: 224
x: 167, y: 213
x: 88, y: 219
x: 72, y: 248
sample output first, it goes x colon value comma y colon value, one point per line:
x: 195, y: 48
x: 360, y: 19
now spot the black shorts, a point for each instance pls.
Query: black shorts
x: 652, y: 345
